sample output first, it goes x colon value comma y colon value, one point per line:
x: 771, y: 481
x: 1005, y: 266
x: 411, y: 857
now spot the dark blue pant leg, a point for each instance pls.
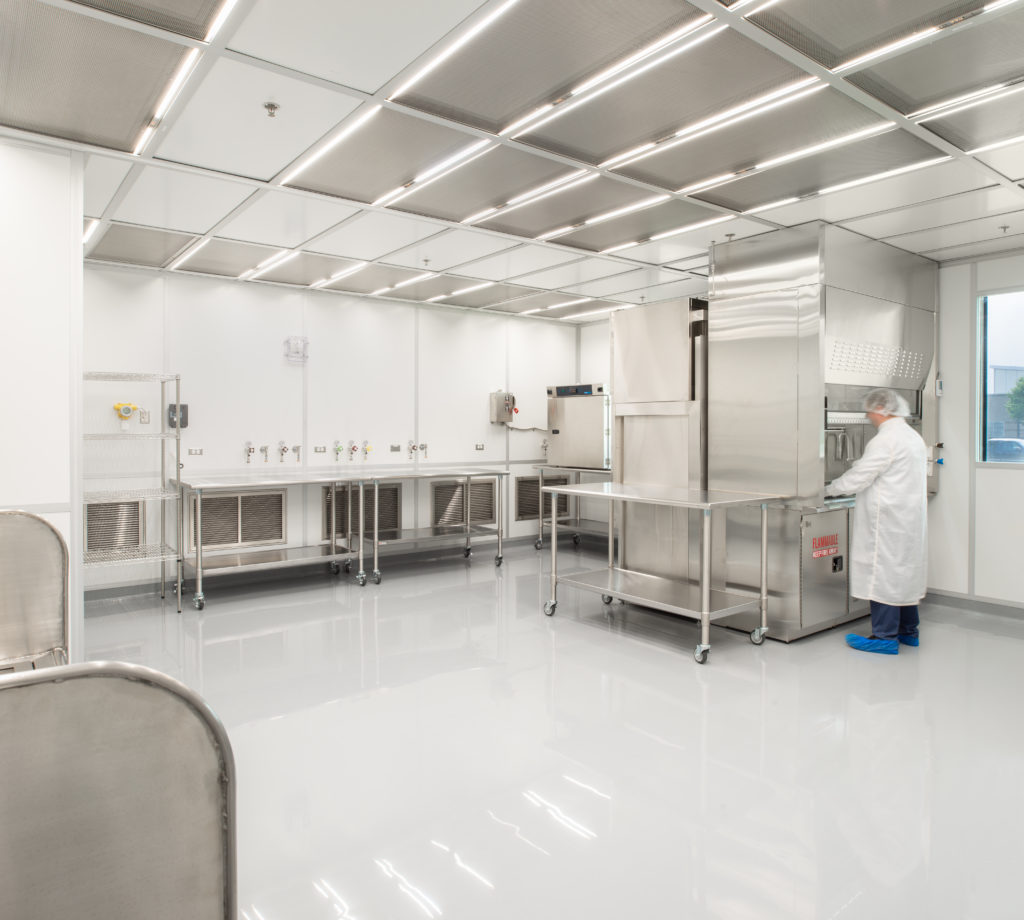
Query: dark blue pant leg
x: 885, y: 620
x: 909, y: 620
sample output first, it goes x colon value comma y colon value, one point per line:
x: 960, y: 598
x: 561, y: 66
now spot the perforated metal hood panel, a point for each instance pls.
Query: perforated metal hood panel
x: 833, y: 33
x: 387, y: 152
x: 226, y: 257
x: 983, y: 124
x: 817, y: 118
x: 566, y: 208
x: 139, y: 245
x: 539, y: 52
x: 723, y: 71
x: 487, y: 182
x: 640, y: 225
x: 186, y: 17
x: 810, y: 174
x: 953, y: 65
x: 75, y: 77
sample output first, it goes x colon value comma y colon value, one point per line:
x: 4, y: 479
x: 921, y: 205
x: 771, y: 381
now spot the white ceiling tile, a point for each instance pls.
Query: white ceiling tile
x: 453, y: 248
x: 574, y: 273
x: 103, y: 176
x: 696, y: 287
x: 975, y: 250
x: 374, y: 234
x: 695, y: 242
x: 969, y: 231
x: 914, y: 187
x: 362, y: 45
x: 173, y: 200
x: 1007, y: 160
x: 280, y: 219
x: 625, y: 281
x: 700, y: 263
x: 943, y: 211
x: 225, y: 126
x: 515, y: 262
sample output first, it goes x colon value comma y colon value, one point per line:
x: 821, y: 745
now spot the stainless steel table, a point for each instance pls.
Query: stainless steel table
x: 580, y: 525
x: 672, y: 595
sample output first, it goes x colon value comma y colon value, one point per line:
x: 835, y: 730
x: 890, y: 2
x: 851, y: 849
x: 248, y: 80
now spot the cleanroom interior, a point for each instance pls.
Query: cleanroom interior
x: 345, y: 227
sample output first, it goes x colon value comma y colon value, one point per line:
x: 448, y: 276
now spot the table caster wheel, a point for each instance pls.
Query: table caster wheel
x: 757, y: 636
x: 376, y: 578
x: 335, y: 568
x: 606, y: 598
x: 467, y: 552
x: 700, y: 655
x: 539, y: 544
x: 198, y: 602
x: 361, y: 580
x: 348, y: 567
x: 576, y: 539
x: 549, y: 608
x: 498, y: 560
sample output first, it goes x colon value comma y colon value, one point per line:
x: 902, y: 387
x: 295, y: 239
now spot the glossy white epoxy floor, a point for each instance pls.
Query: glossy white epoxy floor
x: 436, y: 747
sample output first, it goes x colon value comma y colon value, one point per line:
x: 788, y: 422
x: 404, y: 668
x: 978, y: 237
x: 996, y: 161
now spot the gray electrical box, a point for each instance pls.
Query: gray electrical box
x: 503, y: 407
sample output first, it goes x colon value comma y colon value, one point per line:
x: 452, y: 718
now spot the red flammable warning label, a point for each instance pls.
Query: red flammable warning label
x: 825, y: 546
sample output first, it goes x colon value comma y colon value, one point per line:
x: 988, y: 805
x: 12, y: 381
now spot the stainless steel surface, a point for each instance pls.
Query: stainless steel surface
x: 119, y: 797
x: 33, y: 590
x: 125, y: 555
x: 664, y: 495
x: 580, y: 430
x: 651, y: 354
x: 577, y: 523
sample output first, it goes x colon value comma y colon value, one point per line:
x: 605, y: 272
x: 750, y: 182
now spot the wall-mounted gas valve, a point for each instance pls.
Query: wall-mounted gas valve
x: 124, y: 411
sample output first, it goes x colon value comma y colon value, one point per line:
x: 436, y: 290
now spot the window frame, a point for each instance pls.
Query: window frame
x: 981, y: 429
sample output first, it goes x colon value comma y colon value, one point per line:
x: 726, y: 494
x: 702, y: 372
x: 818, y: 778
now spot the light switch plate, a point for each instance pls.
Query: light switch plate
x: 195, y: 451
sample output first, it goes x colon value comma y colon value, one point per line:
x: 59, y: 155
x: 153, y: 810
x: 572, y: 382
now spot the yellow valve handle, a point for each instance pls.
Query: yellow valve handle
x: 125, y: 410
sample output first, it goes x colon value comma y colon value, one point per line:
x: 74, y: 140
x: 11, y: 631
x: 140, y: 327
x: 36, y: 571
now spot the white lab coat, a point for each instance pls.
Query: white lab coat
x: 889, y: 548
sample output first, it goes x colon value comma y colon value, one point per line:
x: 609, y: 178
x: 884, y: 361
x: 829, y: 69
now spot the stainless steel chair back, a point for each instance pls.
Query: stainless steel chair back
x: 33, y: 590
x: 117, y: 798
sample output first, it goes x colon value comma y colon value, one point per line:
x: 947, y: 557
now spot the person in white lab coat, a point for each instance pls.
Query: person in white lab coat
x: 890, y: 526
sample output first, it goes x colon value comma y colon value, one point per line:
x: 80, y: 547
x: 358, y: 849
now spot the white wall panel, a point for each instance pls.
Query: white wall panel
x: 595, y: 353
x: 999, y: 498
x: 949, y: 511
x: 124, y: 321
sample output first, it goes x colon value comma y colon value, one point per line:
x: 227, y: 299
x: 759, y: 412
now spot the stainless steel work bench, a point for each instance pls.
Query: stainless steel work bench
x: 333, y: 552
x: 579, y: 524
x: 672, y: 595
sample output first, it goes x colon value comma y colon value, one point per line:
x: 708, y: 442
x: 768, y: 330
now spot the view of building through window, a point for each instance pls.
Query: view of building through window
x: 1003, y: 362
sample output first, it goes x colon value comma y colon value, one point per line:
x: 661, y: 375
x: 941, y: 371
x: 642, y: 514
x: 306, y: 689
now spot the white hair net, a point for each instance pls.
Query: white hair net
x: 886, y: 402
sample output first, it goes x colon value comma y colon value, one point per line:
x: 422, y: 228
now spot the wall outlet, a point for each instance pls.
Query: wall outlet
x: 479, y: 447
x: 195, y: 451
x: 143, y: 416
x: 395, y: 448
x: 320, y: 450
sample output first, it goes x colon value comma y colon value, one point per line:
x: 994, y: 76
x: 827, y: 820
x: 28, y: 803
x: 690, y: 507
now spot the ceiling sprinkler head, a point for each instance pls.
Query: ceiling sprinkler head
x: 1004, y: 227
x: 271, y: 108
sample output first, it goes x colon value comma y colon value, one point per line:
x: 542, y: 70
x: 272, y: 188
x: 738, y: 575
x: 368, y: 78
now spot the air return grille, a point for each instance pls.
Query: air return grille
x: 527, y: 489
x: 113, y: 526
x: 390, y: 510
x: 448, y: 503
x: 245, y: 519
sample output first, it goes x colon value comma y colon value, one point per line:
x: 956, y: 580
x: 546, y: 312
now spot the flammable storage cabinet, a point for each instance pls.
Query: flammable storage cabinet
x: 802, y: 323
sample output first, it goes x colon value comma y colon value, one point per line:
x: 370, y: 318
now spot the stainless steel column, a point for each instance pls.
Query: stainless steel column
x: 376, y: 531
x: 498, y: 483
x: 540, y: 509
x: 764, y: 569
x: 469, y: 514
x: 361, y: 575
x: 198, y: 598
x: 705, y: 581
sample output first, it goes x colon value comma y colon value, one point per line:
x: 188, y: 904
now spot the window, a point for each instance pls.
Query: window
x: 1002, y: 362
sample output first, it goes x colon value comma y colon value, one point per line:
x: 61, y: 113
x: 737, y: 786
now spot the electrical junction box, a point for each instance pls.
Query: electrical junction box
x: 503, y: 407
x: 172, y: 416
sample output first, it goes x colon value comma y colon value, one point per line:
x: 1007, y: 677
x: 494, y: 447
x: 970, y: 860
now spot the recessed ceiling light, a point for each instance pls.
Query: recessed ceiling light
x: 346, y: 131
x: 143, y: 140
x: 620, y: 247
x: 184, y: 257
x: 956, y: 99
x: 1011, y: 140
x: 480, y: 215
x: 561, y: 180
x: 539, y: 194
x: 884, y: 175
x: 382, y: 290
x: 519, y: 122
x: 707, y: 183
x: 998, y: 5
x: 561, y: 231
x: 570, y: 303
x: 827, y: 145
x: 462, y: 158
x: 471, y: 289
x: 179, y: 79
x: 222, y: 16
x: 274, y: 261
x: 697, y: 226
x: 408, y: 281
x: 90, y: 231
x: 629, y: 209
x: 529, y: 312
x: 344, y: 273
x: 885, y: 49
x: 437, y: 298
x: 598, y: 312
x: 772, y: 204
x: 951, y: 109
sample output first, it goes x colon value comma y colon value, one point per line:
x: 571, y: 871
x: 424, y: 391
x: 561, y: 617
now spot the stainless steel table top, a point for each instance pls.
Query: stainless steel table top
x: 270, y: 477
x: 663, y: 495
x: 572, y: 469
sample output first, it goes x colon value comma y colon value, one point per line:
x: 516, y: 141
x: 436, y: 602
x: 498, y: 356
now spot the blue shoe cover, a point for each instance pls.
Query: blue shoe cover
x: 909, y: 640
x: 881, y: 646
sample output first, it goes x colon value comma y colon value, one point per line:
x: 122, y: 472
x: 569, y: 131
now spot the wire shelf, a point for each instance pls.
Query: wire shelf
x: 130, y: 555
x: 121, y: 378
x: 129, y: 495
x: 130, y: 436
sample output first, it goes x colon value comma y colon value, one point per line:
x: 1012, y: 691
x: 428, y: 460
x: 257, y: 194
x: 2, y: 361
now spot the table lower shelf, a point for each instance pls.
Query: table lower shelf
x: 425, y: 534
x: 278, y: 558
x: 567, y: 526
x: 667, y: 594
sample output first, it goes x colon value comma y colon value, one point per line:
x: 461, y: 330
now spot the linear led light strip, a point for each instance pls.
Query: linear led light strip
x: 184, y: 257
x: 557, y: 306
x: 561, y: 184
x: 608, y: 215
x: 90, y: 231
x: 275, y: 261
x: 337, y: 276
x: 402, y: 284
x: 1011, y: 140
x: 170, y: 94
x: 667, y: 233
x: 462, y: 158
x: 625, y: 306
x: 461, y: 291
x: 348, y: 130
x: 722, y: 120
x: 983, y: 97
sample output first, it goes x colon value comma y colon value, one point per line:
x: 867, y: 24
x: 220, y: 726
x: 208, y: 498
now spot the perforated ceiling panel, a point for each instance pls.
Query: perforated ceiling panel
x: 541, y: 301
x: 566, y: 208
x: 983, y: 124
x: 891, y: 150
x: 640, y: 225
x: 75, y: 77
x: 372, y: 278
x: 837, y: 32
x: 492, y: 294
x: 307, y: 268
x: 389, y: 151
x: 139, y: 245
x: 819, y: 117
x: 537, y: 52
x: 591, y: 306
x: 186, y: 17
x: 975, y: 58
x: 723, y: 71
x: 431, y: 287
x: 486, y: 182
x: 226, y: 257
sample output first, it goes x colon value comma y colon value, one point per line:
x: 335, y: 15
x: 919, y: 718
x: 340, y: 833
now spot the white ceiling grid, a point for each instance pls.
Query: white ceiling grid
x: 590, y: 146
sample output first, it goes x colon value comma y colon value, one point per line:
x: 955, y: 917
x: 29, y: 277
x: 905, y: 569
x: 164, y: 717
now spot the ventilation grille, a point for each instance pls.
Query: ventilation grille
x: 113, y: 525
x: 527, y: 490
x: 390, y: 510
x: 448, y: 503
x: 874, y: 359
x: 246, y: 519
